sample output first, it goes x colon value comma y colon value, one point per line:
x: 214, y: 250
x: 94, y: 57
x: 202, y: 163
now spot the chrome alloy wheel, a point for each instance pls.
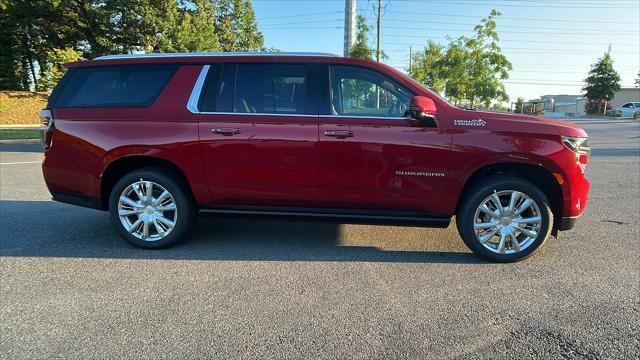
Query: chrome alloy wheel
x: 507, y: 222
x: 147, y: 210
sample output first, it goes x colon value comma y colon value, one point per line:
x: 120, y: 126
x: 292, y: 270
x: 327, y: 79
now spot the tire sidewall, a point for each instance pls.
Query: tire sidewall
x: 184, y: 205
x: 465, y: 217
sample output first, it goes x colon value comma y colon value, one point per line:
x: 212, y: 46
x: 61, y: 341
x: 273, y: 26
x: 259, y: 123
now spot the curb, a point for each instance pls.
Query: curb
x: 19, y: 126
x: 20, y: 141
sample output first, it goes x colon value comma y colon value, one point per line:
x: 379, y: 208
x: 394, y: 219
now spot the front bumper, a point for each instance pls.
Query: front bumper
x: 568, y: 222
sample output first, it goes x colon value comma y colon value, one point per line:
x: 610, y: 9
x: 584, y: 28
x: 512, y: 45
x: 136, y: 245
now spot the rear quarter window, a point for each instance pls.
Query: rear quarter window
x: 114, y: 86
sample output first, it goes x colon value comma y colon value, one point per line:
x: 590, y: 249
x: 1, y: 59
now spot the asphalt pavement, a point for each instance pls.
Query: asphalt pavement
x: 70, y: 287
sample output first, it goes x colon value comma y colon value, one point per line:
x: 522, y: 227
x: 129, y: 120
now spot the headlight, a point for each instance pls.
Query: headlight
x: 577, y: 144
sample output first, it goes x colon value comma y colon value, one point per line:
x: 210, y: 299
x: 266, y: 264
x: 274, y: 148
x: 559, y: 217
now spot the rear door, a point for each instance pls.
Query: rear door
x: 258, y: 129
x: 371, y: 155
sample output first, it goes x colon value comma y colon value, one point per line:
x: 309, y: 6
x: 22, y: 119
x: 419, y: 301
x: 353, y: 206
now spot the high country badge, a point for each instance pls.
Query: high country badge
x: 474, y: 122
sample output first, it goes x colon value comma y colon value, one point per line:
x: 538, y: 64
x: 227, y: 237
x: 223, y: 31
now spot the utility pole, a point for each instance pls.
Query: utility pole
x: 410, y: 58
x: 349, y: 25
x: 378, y: 42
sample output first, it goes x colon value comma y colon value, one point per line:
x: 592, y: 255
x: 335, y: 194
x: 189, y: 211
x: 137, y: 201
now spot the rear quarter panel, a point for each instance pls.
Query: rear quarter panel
x: 87, y: 140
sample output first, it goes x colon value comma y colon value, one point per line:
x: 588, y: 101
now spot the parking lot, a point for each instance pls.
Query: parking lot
x: 71, y: 287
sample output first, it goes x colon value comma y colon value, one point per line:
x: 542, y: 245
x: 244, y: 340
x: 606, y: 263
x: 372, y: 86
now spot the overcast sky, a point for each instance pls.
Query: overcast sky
x: 551, y: 43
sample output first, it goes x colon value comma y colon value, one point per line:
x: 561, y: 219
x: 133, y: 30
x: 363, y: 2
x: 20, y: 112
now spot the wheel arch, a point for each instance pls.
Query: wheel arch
x: 538, y: 175
x: 119, y: 167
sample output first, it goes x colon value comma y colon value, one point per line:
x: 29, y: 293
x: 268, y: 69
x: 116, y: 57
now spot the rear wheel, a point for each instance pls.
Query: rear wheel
x: 150, y: 209
x: 504, y: 219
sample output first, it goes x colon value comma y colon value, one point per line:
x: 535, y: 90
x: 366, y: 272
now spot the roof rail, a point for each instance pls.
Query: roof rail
x: 221, y: 54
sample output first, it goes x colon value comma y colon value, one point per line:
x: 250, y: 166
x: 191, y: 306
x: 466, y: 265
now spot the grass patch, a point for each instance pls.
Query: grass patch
x: 21, y: 107
x: 19, y: 134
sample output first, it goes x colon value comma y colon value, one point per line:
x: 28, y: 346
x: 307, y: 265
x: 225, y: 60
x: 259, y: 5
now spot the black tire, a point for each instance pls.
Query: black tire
x: 186, y: 211
x: 465, y: 217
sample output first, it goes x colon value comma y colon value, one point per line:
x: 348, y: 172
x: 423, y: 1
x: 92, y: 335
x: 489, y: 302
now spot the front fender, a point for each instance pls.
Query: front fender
x: 472, y: 153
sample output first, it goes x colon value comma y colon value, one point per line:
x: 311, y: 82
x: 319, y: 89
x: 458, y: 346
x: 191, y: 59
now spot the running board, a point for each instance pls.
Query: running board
x: 339, y: 216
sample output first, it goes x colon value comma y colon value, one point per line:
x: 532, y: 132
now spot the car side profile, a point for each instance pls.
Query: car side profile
x: 157, y: 139
x: 631, y: 109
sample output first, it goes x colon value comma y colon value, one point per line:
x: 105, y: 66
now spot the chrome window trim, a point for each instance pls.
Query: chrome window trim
x: 256, y: 114
x: 368, y: 117
x: 216, y: 54
x: 192, y: 104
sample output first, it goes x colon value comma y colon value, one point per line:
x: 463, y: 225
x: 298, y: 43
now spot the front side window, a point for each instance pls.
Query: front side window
x: 357, y: 91
x: 114, y: 86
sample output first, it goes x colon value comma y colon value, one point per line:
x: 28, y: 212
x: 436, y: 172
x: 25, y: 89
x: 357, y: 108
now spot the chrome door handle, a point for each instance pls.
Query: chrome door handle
x: 339, y: 133
x: 226, y: 131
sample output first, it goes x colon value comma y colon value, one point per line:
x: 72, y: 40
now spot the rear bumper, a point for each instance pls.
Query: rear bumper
x: 568, y: 222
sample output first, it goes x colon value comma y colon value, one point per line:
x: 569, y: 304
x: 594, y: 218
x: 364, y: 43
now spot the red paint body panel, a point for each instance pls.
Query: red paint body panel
x: 362, y: 170
x: 288, y: 161
x: 271, y: 161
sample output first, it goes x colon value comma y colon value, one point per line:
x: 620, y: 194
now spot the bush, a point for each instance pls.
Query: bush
x: 596, y: 106
x: 21, y: 107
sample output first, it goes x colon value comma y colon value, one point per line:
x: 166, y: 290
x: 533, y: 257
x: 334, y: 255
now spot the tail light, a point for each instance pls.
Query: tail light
x: 46, y: 128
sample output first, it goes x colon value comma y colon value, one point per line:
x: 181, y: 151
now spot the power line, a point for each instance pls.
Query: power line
x: 613, y: 3
x: 529, y: 32
x: 518, y: 41
x: 560, y: 65
x: 622, y: 33
x: 302, y: 22
x: 285, y: 26
x: 573, y: 5
x: 306, y: 27
x: 539, y: 83
x: 519, y: 50
x: 507, y: 26
x: 510, y: 17
x: 299, y: 15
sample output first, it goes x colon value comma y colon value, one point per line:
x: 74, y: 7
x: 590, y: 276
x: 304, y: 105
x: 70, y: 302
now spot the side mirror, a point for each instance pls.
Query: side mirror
x: 424, y: 111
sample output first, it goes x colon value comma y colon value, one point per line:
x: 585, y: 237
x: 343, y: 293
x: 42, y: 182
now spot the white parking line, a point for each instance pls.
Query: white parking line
x: 21, y: 162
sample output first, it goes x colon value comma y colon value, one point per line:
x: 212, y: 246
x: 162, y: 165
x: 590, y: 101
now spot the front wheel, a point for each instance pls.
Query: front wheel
x: 504, y: 219
x: 150, y: 209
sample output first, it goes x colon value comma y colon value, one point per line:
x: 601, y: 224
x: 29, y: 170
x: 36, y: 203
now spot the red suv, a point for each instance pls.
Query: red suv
x: 157, y: 139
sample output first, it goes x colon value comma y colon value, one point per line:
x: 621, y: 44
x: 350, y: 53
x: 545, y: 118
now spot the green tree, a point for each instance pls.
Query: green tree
x: 53, y: 69
x: 519, y: 105
x: 26, y: 38
x: 470, y: 69
x: 455, y: 72
x: 189, y: 29
x: 236, y: 26
x: 37, y: 34
x: 602, y: 83
x: 428, y: 66
x: 486, y: 65
x: 360, y: 48
x: 637, y: 82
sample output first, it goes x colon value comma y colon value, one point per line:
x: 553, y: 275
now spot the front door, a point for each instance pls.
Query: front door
x: 258, y: 129
x: 370, y: 154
